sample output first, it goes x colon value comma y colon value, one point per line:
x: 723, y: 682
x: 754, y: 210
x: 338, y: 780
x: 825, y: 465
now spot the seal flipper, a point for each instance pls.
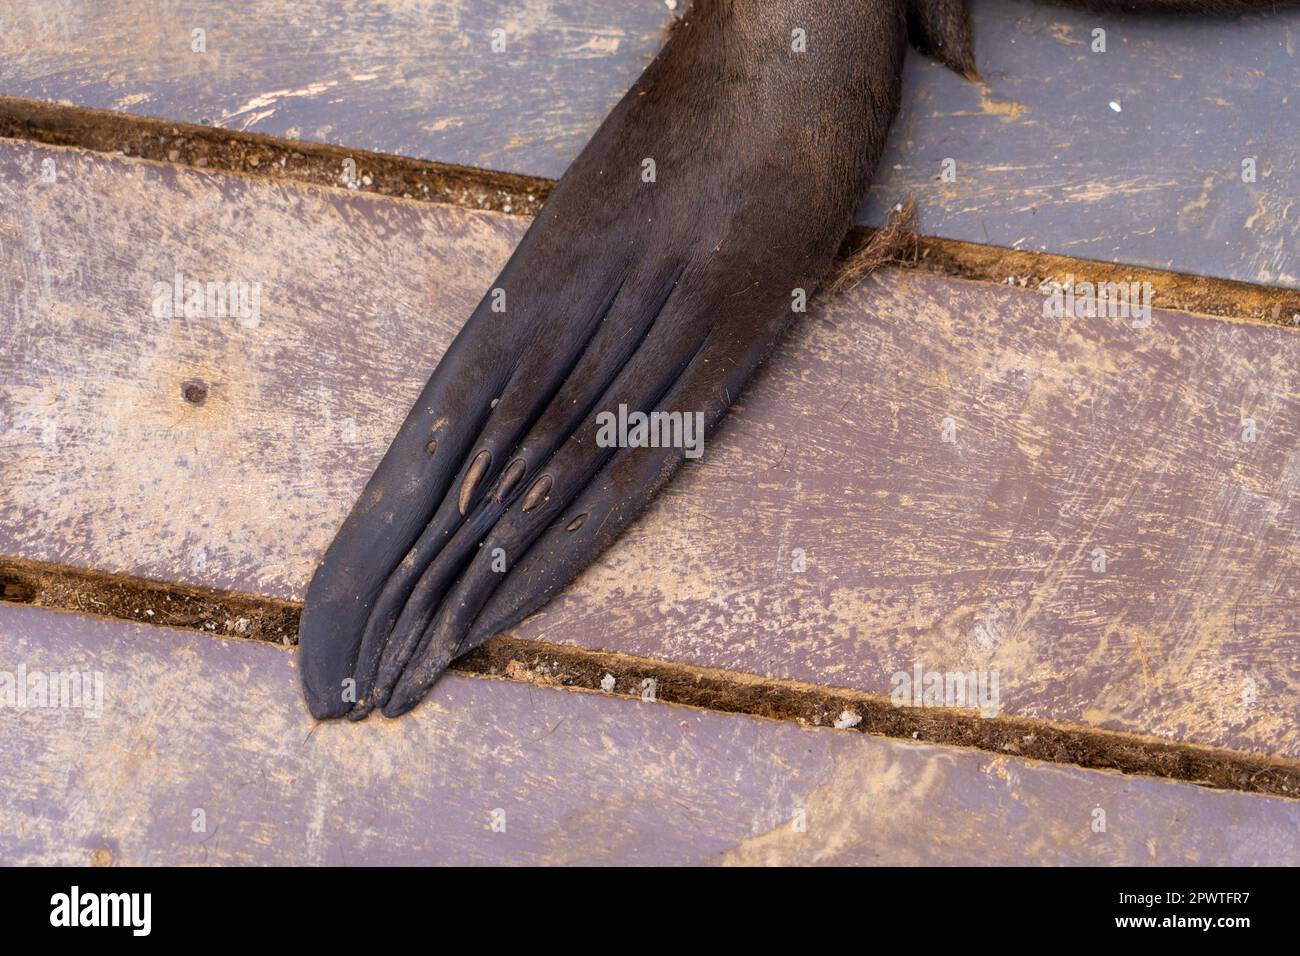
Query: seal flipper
x: 608, y: 505
x: 632, y: 318
x: 571, y: 527
x: 403, y: 492
x: 674, y: 346
x: 693, y: 168
x: 473, y: 502
x: 941, y: 30
x: 523, y: 333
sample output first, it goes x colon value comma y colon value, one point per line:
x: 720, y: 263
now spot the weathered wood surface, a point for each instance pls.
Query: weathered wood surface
x: 203, y: 732
x: 1071, y: 435
x: 418, y: 78
x: 1043, y: 160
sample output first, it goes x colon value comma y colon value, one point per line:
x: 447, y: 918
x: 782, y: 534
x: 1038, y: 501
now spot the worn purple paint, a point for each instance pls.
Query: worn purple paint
x: 192, y: 722
x: 1042, y: 159
x: 1072, y: 435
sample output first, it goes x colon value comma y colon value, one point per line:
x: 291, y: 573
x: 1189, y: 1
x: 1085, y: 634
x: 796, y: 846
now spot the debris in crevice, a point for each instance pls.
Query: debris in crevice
x: 152, y: 602
x: 865, y: 249
x: 251, y: 154
x: 892, y: 244
x: 608, y: 673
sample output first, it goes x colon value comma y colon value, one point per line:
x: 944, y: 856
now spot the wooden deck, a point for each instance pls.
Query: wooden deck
x: 1037, y: 146
x: 203, y: 753
x: 930, y: 472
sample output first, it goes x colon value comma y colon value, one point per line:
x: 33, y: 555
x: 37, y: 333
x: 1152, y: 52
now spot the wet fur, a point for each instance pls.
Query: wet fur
x: 662, y: 295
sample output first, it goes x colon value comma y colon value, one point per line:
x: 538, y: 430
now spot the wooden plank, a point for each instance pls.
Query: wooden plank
x: 193, y: 729
x: 1073, y: 438
x: 418, y: 79
x: 1043, y: 160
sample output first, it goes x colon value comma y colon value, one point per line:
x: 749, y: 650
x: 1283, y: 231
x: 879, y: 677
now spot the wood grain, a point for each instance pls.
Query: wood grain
x: 419, y: 78
x: 1070, y: 435
x: 1043, y: 159
x: 202, y: 753
x: 1073, y: 438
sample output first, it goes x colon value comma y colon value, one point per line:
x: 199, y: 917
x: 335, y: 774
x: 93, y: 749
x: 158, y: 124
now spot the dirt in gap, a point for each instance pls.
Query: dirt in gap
x: 252, y: 617
x: 153, y: 602
x: 276, y: 621
x: 252, y: 154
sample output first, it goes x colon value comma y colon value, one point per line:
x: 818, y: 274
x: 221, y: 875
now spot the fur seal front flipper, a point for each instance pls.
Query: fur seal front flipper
x: 658, y: 274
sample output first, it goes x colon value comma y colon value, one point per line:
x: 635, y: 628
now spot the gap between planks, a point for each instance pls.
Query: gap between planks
x: 275, y: 621
x: 253, y: 154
